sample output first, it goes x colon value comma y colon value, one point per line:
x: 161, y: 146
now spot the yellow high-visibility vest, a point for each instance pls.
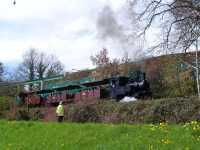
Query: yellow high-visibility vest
x: 60, y: 110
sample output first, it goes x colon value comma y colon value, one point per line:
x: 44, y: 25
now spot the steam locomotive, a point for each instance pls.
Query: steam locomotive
x: 86, y: 90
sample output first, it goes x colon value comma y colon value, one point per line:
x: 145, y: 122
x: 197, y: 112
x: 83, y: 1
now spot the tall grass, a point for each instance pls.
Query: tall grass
x: 72, y: 136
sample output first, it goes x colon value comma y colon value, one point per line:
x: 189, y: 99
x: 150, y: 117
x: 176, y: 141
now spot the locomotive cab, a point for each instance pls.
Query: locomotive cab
x: 118, y: 87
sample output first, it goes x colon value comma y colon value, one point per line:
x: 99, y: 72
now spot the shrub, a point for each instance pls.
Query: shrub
x: 82, y: 113
x: 176, y: 110
x: 172, y: 110
x: 37, y: 115
x: 5, y: 103
x: 22, y: 114
x: 1, y: 115
x: 108, y: 111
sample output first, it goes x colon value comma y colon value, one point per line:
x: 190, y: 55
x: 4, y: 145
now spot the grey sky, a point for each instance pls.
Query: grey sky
x: 70, y: 29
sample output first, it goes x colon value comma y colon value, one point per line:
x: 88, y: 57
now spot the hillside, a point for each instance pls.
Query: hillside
x: 168, y: 75
x: 171, y: 110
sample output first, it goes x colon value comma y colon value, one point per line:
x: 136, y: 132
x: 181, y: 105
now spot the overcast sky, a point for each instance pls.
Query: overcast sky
x: 73, y: 30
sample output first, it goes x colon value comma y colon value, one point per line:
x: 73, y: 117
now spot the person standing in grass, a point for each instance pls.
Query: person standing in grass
x: 60, y: 112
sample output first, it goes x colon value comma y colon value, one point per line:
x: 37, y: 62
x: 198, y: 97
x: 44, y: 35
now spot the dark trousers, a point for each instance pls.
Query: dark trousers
x: 60, y: 118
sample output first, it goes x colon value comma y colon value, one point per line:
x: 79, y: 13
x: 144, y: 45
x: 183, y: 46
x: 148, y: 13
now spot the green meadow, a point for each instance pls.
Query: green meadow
x: 16, y: 135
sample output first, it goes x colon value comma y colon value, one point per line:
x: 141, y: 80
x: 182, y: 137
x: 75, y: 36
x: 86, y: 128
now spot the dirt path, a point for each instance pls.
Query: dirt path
x: 50, y: 114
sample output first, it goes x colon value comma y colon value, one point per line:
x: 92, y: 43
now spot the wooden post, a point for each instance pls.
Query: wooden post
x: 41, y: 85
x: 197, y: 70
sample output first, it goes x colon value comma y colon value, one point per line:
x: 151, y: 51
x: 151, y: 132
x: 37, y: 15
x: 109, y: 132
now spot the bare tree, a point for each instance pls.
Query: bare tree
x: 42, y: 65
x: 125, y: 58
x: 55, y: 66
x: 101, y: 59
x: 180, y: 20
x: 26, y: 70
x: 106, y: 67
x: 37, y: 65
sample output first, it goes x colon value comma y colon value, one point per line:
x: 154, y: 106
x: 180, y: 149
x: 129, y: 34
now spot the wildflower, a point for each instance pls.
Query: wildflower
x: 163, y: 124
x: 194, y: 122
x: 166, y: 141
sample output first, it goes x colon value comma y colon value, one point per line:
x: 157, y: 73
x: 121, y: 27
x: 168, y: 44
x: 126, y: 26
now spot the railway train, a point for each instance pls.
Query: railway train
x: 88, y: 90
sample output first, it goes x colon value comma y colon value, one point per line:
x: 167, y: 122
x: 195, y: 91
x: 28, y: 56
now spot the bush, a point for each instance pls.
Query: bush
x: 108, y: 111
x: 177, y: 110
x: 172, y: 110
x: 82, y: 113
x: 1, y: 115
x: 22, y: 114
x: 5, y: 103
x: 37, y: 115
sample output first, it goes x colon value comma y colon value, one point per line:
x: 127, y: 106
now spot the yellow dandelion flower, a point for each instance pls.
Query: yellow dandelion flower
x: 187, y: 148
x: 166, y: 141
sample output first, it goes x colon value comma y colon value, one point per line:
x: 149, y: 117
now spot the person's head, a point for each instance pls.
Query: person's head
x: 60, y: 103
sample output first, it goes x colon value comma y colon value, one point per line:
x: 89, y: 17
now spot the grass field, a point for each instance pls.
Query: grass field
x: 71, y: 136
